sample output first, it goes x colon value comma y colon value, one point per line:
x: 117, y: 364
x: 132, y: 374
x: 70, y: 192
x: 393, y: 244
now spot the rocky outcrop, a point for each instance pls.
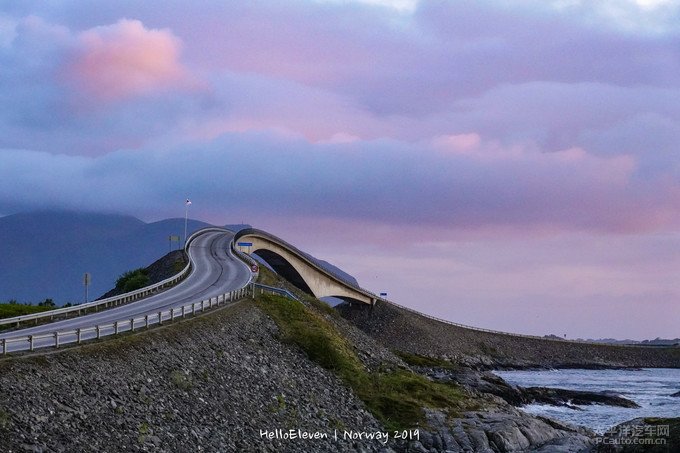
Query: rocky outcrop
x: 642, y: 435
x: 507, y: 430
x: 487, y: 350
x: 487, y: 382
x: 572, y: 398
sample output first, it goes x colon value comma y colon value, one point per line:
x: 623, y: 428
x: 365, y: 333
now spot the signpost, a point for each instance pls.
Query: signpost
x: 86, y: 281
x: 245, y: 244
x: 172, y: 239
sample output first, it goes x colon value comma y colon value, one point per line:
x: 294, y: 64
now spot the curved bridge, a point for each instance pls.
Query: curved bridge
x: 299, y: 268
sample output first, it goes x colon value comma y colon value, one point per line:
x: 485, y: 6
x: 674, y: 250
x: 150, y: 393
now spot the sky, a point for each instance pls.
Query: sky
x: 509, y: 165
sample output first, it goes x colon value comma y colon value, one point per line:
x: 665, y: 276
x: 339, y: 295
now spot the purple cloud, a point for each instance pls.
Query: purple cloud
x: 454, y: 121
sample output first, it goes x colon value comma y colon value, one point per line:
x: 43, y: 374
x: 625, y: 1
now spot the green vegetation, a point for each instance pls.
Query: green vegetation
x: 5, y: 420
x: 181, y: 380
x: 13, y: 308
x: 423, y: 361
x: 395, y: 397
x: 488, y: 349
x: 279, y: 405
x: 143, y: 428
x: 267, y: 277
x: 179, y: 263
x: 144, y: 431
x: 132, y: 280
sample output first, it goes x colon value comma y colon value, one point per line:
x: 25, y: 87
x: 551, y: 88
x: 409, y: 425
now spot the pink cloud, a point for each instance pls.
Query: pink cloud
x: 126, y: 59
x: 457, y: 142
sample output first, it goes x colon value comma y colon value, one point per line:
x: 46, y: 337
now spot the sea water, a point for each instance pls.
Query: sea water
x: 649, y: 387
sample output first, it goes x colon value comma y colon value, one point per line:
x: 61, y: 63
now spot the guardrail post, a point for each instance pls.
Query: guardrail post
x: 184, y: 311
x: 99, y: 333
x: 115, y: 328
x: 56, y: 339
x: 193, y: 308
x: 4, y: 346
x: 78, y: 336
x: 202, y: 306
x: 172, y: 314
x: 160, y: 318
x: 30, y: 342
x: 132, y: 324
x: 146, y: 321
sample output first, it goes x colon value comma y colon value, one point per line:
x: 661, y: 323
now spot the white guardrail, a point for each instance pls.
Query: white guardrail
x: 273, y: 290
x: 121, y: 299
x: 113, y: 301
x: 498, y: 332
x: 58, y: 338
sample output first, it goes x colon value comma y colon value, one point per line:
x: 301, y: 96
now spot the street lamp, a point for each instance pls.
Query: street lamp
x: 186, y: 219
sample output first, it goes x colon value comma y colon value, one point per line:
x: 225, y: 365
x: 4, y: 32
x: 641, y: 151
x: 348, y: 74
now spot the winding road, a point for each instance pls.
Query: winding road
x: 215, y: 271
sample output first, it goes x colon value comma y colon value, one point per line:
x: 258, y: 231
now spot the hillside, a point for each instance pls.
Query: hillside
x: 487, y: 350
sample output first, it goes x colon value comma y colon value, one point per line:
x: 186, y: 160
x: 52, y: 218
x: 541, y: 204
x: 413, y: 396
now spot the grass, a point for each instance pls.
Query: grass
x: 133, y: 280
x: 5, y: 420
x: 279, y: 405
x: 488, y: 349
x: 269, y: 278
x: 181, y: 380
x: 9, y: 310
x: 424, y: 361
x: 396, y: 397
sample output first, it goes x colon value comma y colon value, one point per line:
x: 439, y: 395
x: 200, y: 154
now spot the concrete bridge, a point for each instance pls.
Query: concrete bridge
x: 299, y: 268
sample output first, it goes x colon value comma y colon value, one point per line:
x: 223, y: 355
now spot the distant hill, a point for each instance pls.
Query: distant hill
x: 45, y: 254
x: 655, y: 342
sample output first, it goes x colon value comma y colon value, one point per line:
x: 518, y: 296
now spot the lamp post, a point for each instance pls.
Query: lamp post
x: 186, y: 219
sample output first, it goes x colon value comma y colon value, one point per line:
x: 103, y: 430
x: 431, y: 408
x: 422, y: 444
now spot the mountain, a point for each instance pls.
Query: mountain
x: 656, y: 342
x: 45, y: 254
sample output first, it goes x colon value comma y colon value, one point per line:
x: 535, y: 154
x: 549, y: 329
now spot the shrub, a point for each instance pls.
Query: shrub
x: 132, y: 280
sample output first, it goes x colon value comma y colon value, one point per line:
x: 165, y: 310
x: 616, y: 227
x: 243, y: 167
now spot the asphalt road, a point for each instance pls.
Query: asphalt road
x: 216, y: 271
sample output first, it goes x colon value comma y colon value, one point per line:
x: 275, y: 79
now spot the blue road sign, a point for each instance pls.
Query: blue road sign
x: 383, y: 294
x: 244, y: 244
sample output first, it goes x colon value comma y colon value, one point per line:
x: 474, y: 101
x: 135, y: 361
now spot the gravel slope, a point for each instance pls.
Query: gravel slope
x: 403, y: 330
x: 208, y: 384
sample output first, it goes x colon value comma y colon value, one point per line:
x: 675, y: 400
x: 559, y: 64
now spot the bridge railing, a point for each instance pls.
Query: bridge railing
x: 498, y: 332
x: 264, y: 289
x: 61, y: 337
